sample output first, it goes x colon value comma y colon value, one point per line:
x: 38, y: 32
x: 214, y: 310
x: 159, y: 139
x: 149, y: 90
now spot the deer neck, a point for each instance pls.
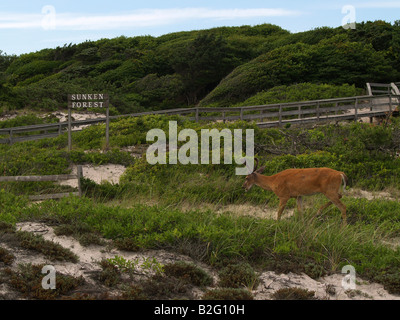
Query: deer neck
x: 264, y: 182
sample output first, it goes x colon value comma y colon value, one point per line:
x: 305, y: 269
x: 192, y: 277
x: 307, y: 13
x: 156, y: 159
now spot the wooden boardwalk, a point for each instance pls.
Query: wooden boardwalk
x: 272, y: 115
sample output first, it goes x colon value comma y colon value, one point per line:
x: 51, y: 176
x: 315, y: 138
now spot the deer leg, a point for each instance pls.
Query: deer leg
x: 300, y: 205
x: 335, y: 199
x: 327, y: 204
x: 282, y: 205
x: 323, y: 207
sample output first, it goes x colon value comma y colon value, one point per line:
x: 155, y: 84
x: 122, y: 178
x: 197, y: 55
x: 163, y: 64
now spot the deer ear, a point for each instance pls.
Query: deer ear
x: 260, y: 170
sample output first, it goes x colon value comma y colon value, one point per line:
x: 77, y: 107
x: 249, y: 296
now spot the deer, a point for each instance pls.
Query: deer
x: 296, y: 183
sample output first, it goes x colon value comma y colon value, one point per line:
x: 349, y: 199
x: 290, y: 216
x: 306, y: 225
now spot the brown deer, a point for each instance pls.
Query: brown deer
x: 296, y: 183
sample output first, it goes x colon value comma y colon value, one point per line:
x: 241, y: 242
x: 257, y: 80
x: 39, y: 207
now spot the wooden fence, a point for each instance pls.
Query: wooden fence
x: 272, y: 115
x: 63, y: 177
x: 383, y: 88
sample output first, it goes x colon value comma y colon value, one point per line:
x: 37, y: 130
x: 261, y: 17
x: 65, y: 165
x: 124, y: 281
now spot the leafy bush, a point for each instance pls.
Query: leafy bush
x: 109, y: 275
x: 237, y: 276
x: 51, y: 250
x: 334, y: 61
x: 25, y: 120
x: 188, y: 272
x: 293, y: 294
x: 36, y: 67
x: 301, y: 92
x: 6, y: 257
x: 28, y: 280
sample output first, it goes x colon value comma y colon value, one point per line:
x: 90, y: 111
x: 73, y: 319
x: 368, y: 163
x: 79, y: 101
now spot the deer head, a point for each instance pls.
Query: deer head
x: 250, y: 179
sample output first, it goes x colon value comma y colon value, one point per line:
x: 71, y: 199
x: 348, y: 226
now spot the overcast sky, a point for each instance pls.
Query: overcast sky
x: 31, y: 25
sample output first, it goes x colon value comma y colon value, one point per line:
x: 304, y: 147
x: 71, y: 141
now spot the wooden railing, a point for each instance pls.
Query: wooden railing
x: 383, y: 88
x: 350, y: 108
x: 63, y: 177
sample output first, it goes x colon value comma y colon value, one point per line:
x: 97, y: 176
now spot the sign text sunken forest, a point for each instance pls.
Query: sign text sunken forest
x: 90, y: 100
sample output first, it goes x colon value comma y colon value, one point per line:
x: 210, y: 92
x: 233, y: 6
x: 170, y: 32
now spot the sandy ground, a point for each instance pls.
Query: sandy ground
x: 361, y: 118
x: 88, y: 256
x: 8, y: 117
x: 76, y: 116
x: 61, y: 116
x: 326, y: 288
x: 371, y: 195
x: 98, y: 174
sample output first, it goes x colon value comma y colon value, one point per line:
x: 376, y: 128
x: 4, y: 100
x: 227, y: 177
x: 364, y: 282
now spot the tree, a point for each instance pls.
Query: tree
x: 394, y: 50
x: 5, y: 60
x: 378, y: 33
x: 202, y: 64
x: 165, y: 91
x: 89, y: 55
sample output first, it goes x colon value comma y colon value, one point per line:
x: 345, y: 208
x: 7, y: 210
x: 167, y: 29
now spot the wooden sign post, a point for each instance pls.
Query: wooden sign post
x: 91, y: 100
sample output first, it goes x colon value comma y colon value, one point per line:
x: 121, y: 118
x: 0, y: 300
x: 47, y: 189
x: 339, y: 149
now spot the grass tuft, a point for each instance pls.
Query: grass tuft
x: 293, y: 294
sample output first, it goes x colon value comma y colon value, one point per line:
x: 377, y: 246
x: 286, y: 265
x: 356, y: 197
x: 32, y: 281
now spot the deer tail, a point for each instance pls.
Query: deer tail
x: 345, y: 180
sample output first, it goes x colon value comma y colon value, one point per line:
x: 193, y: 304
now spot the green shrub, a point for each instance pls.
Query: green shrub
x: 25, y: 120
x: 335, y: 60
x: 51, y: 250
x: 36, y: 67
x: 293, y: 294
x: 237, y: 276
x: 28, y: 280
x: 301, y: 92
x: 188, y: 272
x: 109, y: 275
x: 160, y: 287
x: 6, y: 257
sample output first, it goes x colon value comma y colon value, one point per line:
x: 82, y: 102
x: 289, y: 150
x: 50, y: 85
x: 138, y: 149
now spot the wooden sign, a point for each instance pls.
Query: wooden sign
x: 88, y: 100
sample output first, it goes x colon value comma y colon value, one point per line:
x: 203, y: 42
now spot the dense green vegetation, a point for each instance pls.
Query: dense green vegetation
x: 219, y: 66
x: 301, y: 92
x: 314, y: 246
x: 366, y: 153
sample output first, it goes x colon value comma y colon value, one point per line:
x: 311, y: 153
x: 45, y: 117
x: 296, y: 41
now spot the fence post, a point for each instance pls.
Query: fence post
x: 280, y: 115
x: 371, y: 119
x: 11, y: 136
x: 197, y: 114
x: 79, y: 176
x: 107, y: 103
x: 318, y: 111
x: 241, y: 113
x: 69, y: 128
x: 355, y: 110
